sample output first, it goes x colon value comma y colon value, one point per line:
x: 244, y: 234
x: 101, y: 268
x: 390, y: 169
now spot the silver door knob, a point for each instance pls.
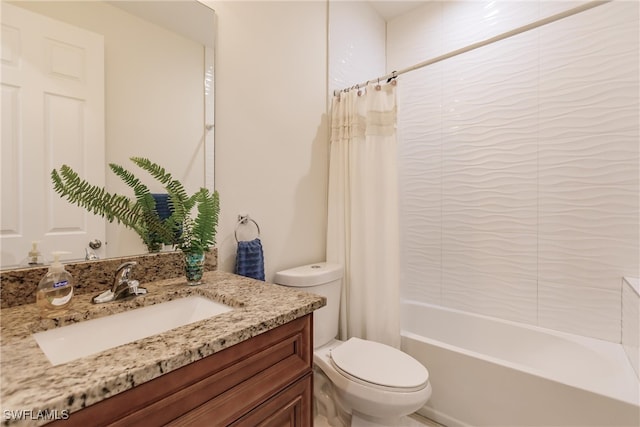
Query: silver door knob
x: 95, y: 244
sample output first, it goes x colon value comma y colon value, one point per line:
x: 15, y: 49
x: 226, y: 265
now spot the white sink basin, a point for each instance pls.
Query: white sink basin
x: 67, y: 343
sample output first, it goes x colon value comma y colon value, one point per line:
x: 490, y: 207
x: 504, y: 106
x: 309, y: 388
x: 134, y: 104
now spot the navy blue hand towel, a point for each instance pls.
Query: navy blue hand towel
x: 250, y: 259
x: 163, y: 207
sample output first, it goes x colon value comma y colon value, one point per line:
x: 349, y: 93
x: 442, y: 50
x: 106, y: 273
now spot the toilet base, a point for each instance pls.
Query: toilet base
x: 325, y: 404
x: 336, y: 397
x: 324, y: 401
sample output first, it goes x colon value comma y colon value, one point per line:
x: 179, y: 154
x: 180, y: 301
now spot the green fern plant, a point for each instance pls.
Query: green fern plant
x: 188, y: 231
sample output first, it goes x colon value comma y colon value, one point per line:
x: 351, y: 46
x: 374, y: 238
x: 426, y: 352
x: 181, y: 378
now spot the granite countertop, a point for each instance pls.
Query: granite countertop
x: 28, y: 381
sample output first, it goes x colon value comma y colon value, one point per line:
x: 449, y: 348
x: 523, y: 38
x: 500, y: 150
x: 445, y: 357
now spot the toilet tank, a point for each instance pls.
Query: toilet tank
x: 323, y: 279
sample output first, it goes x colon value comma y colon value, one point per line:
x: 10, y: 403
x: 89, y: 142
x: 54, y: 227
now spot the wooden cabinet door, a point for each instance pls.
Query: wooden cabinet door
x: 290, y: 408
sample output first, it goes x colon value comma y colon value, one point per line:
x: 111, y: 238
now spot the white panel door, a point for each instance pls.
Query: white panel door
x: 52, y: 114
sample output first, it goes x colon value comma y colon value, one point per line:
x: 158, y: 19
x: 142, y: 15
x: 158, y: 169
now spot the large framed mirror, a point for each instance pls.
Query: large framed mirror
x: 157, y: 102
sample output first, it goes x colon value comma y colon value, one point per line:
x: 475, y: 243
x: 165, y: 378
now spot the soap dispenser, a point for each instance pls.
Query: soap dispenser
x: 55, y: 290
x: 34, y: 258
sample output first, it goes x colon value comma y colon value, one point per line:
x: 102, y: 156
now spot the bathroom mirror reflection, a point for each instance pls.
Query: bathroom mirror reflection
x: 154, y: 98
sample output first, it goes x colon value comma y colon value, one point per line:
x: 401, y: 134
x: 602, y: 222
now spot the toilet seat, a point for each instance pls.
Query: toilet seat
x: 378, y: 365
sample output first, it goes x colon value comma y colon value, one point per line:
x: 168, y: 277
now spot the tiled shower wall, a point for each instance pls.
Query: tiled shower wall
x: 356, y: 44
x: 631, y: 321
x: 520, y: 161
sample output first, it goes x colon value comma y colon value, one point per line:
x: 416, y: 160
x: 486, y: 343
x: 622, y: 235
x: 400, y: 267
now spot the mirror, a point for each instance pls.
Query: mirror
x: 158, y: 103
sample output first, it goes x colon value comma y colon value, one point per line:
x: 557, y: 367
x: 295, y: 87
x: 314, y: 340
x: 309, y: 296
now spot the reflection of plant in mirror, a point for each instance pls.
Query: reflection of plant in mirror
x: 189, y: 234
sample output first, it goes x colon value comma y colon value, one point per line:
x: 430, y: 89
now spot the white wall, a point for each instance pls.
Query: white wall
x: 271, y: 133
x: 520, y: 161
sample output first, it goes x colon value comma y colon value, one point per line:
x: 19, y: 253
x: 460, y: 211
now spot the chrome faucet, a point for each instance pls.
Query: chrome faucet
x: 90, y: 255
x: 123, y: 286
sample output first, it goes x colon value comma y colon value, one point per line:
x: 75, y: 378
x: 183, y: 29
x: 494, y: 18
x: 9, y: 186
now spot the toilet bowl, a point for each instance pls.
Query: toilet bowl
x: 358, y: 382
x: 374, y: 381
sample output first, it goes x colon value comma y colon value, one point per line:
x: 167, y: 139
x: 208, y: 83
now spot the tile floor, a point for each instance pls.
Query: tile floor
x: 425, y: 421
x: 414, y: 421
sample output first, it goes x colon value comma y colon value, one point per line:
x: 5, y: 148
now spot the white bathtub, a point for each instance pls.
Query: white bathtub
x: 490, y: 372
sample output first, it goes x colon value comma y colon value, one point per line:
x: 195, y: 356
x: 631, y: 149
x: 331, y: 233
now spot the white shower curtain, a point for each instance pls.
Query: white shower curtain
x: 362, y: 232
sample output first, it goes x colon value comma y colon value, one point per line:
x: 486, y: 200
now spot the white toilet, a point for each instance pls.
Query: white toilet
x: 356, y: 382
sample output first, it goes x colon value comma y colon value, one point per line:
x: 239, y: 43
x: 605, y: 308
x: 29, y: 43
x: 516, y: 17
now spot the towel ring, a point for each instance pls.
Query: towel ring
x: 242, y: 220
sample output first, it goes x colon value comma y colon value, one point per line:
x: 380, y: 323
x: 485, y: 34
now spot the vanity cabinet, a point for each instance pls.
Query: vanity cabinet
x: 263, y: 381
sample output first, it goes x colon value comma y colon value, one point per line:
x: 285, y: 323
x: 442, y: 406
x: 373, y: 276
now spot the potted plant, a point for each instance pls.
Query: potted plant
x: 191, y: 232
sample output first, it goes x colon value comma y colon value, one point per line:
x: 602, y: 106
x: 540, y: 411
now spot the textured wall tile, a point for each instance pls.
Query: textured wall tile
x: 497, y: 296
x: 497, y: 254
x: 586, y: 261
x: 588, y: 150
x: 422, y: 242
x: 579, y: 48
x: 587, y: 158
x: 468, y: 22
x: 415, y: 36
x: 580, y: 310
x: 504, y: 74
x: 489, y: 145
x: 420, y: 179
x: 504, y: 208
x: 357, y: 45
x: 589, y: 93
x: 420, y: 102
x: 631, y: 325
x: 525, y: 153
x: 549, y: 8
x: 421, y: 281
x: 576, y: 210
x: 419, y: 125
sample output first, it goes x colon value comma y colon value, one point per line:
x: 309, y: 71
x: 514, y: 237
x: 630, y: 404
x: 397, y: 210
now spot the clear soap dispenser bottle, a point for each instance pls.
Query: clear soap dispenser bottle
x: 34, y: 258
x: 55, y: 290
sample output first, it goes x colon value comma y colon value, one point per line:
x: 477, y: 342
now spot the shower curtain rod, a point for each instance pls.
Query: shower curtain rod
x: 473, y: 46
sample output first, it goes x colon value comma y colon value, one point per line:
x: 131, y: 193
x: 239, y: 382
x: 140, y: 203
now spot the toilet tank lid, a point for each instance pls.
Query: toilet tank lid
x: 309, y: 275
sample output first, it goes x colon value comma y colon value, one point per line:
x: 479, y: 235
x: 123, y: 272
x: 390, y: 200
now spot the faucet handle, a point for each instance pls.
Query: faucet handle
x: 134, y: 288
x: 106, y: 296
x: 124, y: 269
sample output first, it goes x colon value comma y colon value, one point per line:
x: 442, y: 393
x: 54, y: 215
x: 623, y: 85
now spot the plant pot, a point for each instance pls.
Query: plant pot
x: 194, y: 267
x: 154, y: 247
